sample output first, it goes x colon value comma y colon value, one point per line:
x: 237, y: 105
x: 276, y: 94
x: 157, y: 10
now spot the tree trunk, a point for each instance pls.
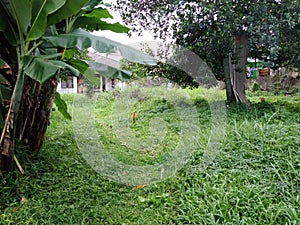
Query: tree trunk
x: 37, y: 109
x: 235, y: 71
x: 31, y: 122
x: 238, y: 69
x: 7, y: 145
x: 229, y: 89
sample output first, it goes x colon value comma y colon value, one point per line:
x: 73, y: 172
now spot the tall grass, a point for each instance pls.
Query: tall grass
x: 254, y: 179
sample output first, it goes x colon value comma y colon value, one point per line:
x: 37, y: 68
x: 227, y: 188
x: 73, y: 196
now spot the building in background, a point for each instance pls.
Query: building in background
x: 69, y: 86
x: 78, y: 84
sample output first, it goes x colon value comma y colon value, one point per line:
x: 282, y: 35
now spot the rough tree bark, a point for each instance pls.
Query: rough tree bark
x: 31, y: 122
x: 7, y: 148
x: 7, y: 145
x: 35, y: 114
x: 235, y: 69
x: 229, y: 89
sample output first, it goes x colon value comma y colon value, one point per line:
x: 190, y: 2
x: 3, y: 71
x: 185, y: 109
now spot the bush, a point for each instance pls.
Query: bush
x: 255, y: 87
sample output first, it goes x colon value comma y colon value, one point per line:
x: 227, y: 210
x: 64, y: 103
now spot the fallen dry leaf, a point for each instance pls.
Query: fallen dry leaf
x: 138, y: 187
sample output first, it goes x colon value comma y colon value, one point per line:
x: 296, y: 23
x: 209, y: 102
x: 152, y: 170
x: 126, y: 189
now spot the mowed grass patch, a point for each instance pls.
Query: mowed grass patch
x: 157, y: 129
x: 253, y: 180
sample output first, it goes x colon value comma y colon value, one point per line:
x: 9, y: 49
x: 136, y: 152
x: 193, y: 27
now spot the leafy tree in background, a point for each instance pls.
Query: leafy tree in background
x: 162, y: 70
x: 40, y: 42
x: 224, y: 32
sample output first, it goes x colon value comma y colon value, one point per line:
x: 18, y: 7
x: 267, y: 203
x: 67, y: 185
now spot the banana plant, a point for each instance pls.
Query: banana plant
x: 39, y: 41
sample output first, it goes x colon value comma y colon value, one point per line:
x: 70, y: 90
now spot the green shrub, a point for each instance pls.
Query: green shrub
x: 255, y: 87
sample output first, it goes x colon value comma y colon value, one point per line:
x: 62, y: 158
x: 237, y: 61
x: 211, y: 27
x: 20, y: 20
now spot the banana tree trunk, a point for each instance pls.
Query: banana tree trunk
x: 38, y: 101
x: 7, y: 145
x: 30, y: 125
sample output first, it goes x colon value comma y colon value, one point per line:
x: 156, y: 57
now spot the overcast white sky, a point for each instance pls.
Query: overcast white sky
x: 123, y: 38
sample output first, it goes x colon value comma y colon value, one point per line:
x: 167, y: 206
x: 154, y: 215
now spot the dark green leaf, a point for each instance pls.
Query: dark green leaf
x: 42, y: 8
x: 84, y: 69
x: 69, y: 53
x: 51, y: 51
x: 51, y: 56
x: 5, y: 93
x: 64, y: 65
x: 62, y: 106
x: 90, y: 75
x: 93, y: 23
x: 79, y: 64
x: 26, y: 60
x: 18, y: 93
x: 6, y: 20
x: 99, y: 13
x: 92, y: 5
x: 41, y: 70
x: 3, y: 19
x: 22, y: 13
x: 11, y: 37
x: 70, y: 8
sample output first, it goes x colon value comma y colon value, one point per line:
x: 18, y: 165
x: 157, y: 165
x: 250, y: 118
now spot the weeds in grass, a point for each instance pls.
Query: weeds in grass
x: 255, y: 179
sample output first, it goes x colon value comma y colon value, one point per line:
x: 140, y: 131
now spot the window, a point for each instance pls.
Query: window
x: 67, y: 84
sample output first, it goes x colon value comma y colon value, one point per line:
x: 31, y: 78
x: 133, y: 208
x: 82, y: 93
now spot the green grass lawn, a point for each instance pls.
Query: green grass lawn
x: 254, y: 178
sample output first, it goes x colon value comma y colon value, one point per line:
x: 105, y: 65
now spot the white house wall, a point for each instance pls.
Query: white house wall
x: 105, y: 85
x: 68, y: 90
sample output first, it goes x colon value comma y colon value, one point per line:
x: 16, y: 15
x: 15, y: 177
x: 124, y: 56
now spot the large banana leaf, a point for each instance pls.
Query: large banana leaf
x: 64, y: 65
x: 91, y: 5
x: 109, y: 71
x: 70, y: 40
x: 7, y: 21
x: 99, y: 13
x: 61, y: 106
x: 3, y: 19
x: 22, y: 13
x: 41, y: 69
x: 70, y: 8
x: 41, y: 9
x: 85, y: 70
x: 88, y: 68
x: 82, y: 39
x: 94, y: 23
